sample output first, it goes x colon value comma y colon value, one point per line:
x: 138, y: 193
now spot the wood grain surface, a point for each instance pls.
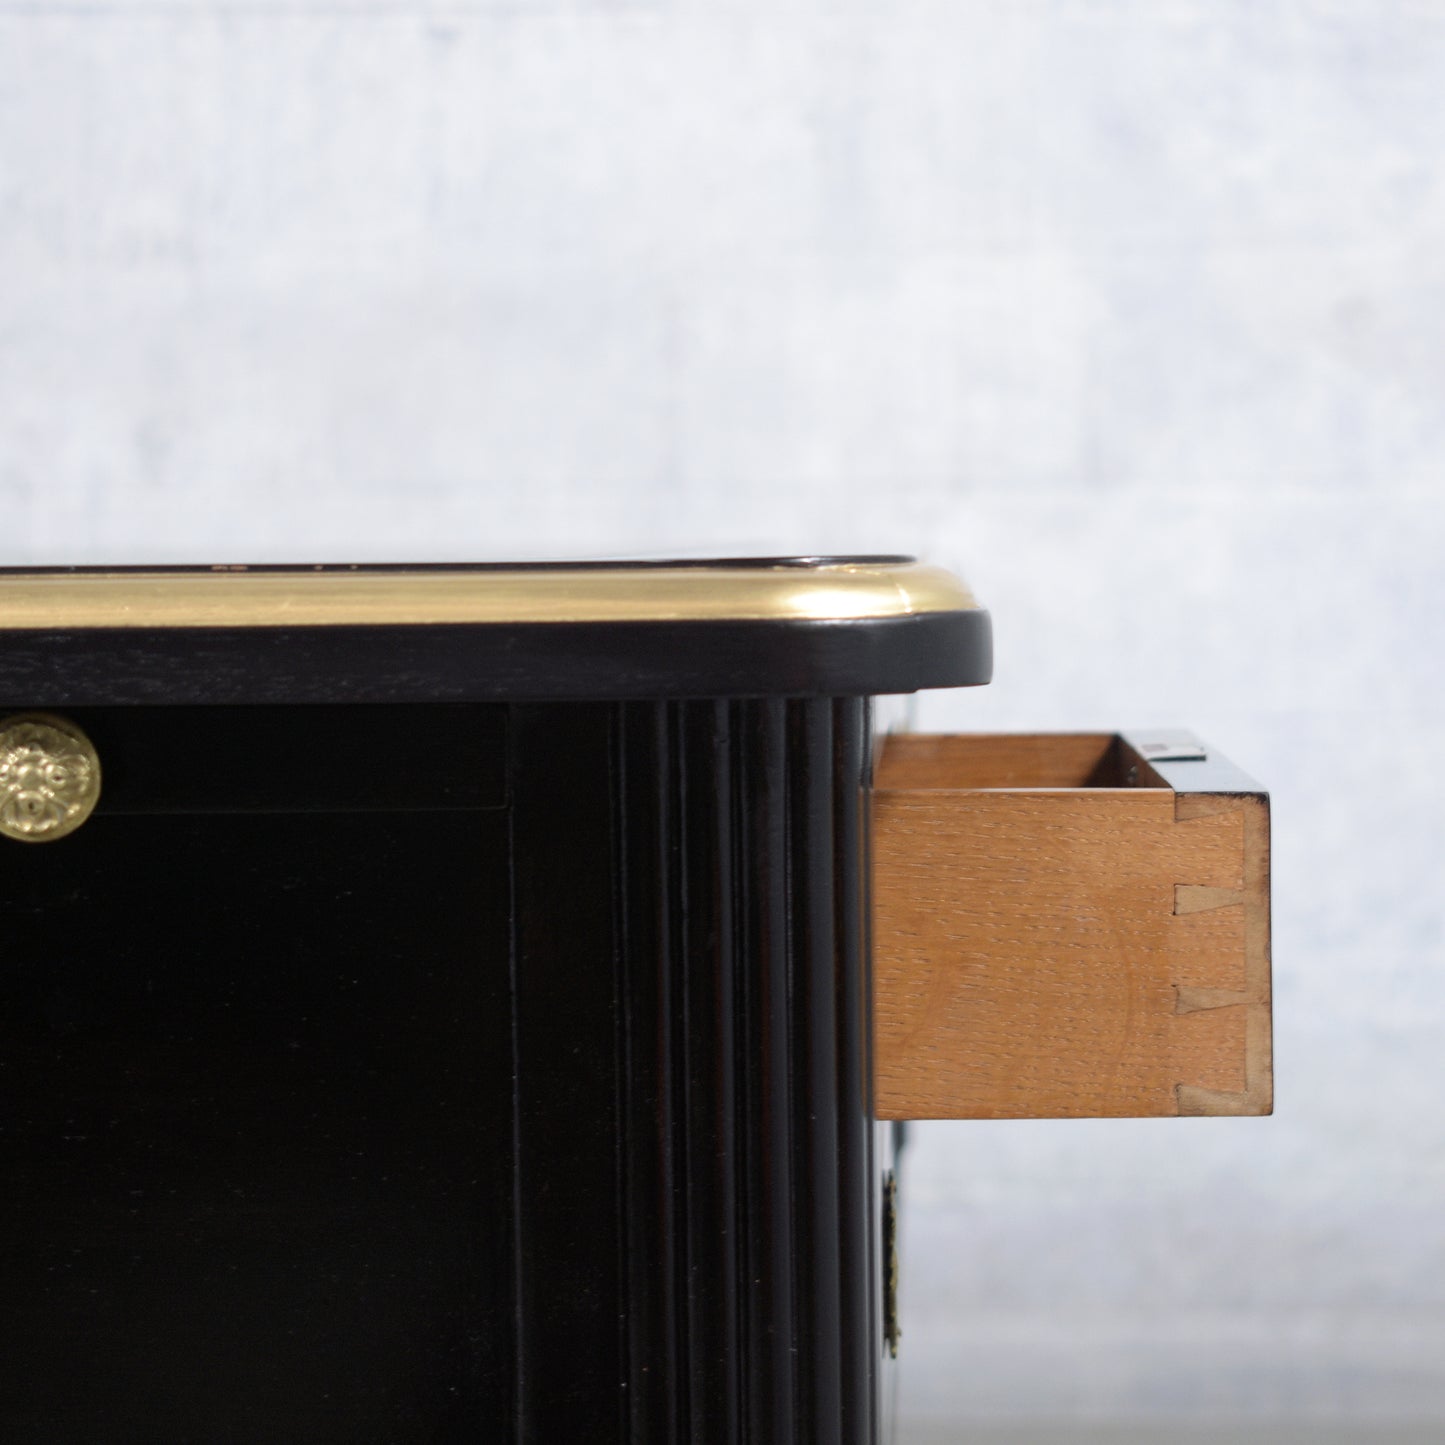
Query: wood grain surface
x: 1053, y: 951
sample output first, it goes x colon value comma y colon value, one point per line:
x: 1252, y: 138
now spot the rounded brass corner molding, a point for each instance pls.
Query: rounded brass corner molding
x: 49, y: 777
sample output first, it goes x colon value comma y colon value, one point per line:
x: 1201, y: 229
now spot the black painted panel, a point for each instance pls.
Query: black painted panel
x: 338, y: 759
x: 253, y: 1075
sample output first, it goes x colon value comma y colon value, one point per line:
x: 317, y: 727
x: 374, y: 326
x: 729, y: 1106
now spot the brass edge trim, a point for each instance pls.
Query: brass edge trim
x: 238, y: 598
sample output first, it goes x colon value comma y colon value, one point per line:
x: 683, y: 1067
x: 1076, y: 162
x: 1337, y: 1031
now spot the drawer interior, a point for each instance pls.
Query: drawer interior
x: 1013, y: 760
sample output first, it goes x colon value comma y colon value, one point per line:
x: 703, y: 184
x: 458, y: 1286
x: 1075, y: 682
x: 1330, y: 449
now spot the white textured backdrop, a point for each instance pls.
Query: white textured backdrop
x: 1131, y: 310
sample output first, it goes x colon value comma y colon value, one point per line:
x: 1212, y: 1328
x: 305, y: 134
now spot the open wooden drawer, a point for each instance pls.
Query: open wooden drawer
x: 1069, y: 925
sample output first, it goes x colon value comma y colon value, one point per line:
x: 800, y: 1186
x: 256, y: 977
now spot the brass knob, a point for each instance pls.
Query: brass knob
x: 49, y: 777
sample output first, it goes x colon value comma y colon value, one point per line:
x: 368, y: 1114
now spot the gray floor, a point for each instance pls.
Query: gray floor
x: 1305, y: 1433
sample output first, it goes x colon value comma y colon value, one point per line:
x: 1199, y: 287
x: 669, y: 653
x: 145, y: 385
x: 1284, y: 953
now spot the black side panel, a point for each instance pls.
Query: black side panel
x: 255, y: 1118
x: 530, y: 1110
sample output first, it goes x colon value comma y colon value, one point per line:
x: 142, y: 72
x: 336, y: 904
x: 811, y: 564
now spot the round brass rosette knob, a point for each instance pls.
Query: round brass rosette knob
x: 49, y: 777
